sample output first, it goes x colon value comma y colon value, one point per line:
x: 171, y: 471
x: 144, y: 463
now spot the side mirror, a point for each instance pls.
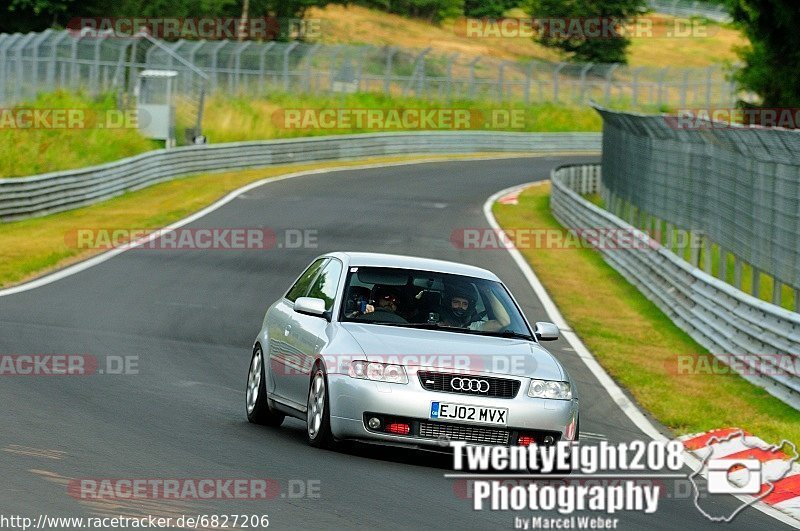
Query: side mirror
x: 310, y: 306
x: 544, y: 331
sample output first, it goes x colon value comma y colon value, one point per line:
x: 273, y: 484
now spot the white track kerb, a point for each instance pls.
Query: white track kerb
x: 622, y: 401
x: 617, y: 395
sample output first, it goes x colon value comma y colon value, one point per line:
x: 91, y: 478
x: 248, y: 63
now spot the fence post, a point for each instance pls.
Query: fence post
x: 528, y: 78
x: 309, y: 58
x: 450, y: 61
x: 584, y: 71
x: 556, y: 73
x: 684, y: 87
x: 662, y: 76
x: 756, y: 290
x: 777, y: 291
x: 609, y: 75
x: 286, y: 54
x: 709, y: 73
x: 471, y: 89
x: 670, y: 236
x: 707, y: 263
x: 387, y: 74
x: 262, y: 63
x: 501, y: 81
x: 737, y: 272
x: 635, y: 86
x: 722, y: 271
x: 694, y: 250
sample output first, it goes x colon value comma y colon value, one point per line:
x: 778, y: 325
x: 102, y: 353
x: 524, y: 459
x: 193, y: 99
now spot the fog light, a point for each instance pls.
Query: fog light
x: 526, y: 440
x: 549, y: 439
x: 374, y: 423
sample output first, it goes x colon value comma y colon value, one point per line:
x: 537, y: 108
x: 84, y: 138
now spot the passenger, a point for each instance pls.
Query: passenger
x: 459, y: 311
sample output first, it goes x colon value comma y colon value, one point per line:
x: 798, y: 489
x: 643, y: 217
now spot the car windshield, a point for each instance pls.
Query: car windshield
x: 425, y: 299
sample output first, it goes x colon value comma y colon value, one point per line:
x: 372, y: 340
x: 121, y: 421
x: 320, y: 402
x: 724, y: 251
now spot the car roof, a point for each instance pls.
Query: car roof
x: 359, y: 259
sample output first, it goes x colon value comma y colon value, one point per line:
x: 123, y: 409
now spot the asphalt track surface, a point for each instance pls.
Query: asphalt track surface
x: 191, y: 316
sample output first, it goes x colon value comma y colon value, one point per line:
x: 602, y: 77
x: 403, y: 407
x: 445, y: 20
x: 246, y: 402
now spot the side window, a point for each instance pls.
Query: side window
x: 303, y: 283
x: 327, y: 282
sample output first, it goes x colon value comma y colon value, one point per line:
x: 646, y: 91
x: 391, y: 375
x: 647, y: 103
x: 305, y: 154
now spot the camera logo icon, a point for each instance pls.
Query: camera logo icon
x: 719, y: 471
x: 739, y: 464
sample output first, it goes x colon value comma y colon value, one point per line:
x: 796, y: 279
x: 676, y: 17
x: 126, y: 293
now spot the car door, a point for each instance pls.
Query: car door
x: 285, y: 354
x: 310, y: 332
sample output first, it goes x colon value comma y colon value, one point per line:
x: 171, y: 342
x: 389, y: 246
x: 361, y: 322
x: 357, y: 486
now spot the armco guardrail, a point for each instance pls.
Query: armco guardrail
x: 24, y: 197
x: 763, y: 338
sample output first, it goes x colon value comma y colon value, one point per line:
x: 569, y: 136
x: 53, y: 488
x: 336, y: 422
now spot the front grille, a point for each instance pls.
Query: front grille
x: 498, y: 387
x: 460, y: 432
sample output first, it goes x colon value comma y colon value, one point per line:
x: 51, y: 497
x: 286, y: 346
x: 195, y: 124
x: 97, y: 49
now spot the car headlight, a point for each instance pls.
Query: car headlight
x: 379, y: 372
x: 550, y: 389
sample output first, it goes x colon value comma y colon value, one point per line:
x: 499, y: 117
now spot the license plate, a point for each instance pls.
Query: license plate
x: 464, y: 413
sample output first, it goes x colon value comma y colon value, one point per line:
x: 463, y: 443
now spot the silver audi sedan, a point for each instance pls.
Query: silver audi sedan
x: 407, y: 351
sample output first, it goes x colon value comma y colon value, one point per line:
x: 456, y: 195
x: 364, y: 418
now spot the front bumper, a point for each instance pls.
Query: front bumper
x: 352, y: 399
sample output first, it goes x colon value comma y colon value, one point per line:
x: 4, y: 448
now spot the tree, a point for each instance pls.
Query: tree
x: 578, y: 19
x: 772, y: 60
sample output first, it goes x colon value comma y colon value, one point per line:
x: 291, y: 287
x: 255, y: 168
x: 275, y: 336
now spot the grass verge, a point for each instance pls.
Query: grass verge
x: 231, y: 119
x: 637, y: 344
x: 29, y: 151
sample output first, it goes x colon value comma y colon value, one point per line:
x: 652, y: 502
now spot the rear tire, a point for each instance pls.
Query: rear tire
x: 256, y: 398
x: 318, y: 416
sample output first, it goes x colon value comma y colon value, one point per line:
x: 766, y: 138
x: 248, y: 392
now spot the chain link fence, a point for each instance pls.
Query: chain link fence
x: 42, y: 62
x: 737, y: 188
x: 686, y: 8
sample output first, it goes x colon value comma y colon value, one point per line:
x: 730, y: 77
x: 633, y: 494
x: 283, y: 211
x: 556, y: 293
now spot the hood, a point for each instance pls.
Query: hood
x: 440, y: 349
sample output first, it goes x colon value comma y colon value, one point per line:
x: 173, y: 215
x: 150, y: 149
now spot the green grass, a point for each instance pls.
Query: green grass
x: 246, y: 118
x: 639, y: 345
x: 26, y: 152
x: 35, y: 150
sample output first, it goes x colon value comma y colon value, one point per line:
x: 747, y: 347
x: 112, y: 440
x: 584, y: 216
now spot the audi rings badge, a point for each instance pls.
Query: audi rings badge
x: 469, y: 385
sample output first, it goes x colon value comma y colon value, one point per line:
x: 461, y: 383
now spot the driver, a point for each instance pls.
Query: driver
x: 459, y: 310
x: 385, y: 299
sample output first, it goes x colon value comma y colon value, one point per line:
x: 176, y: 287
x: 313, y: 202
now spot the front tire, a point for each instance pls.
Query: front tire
x: 318, y: 416
x: 256, y: 399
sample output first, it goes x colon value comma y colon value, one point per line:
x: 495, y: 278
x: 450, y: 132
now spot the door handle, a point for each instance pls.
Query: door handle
x: 287, y: 330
